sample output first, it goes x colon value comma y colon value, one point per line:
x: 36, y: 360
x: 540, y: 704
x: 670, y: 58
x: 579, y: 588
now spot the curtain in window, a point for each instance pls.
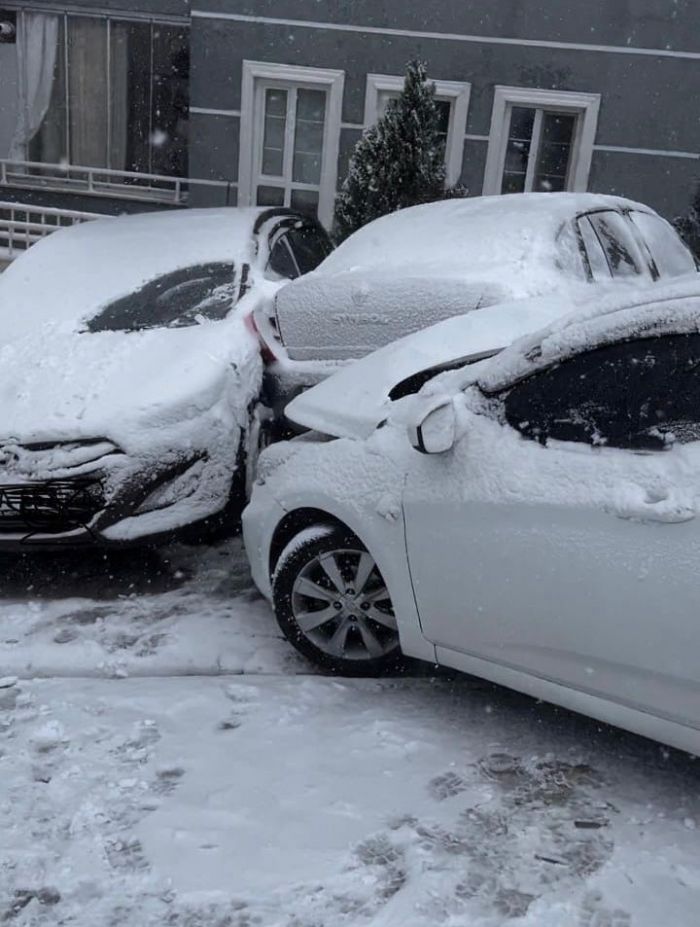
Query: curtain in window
x: 37, y: 43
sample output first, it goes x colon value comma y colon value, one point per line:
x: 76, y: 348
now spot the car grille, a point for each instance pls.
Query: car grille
x: 51, y: 506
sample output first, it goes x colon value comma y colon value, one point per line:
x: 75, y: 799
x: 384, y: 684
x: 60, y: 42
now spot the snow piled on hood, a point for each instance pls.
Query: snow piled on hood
x: 70, y: 274
x: 353, y: 401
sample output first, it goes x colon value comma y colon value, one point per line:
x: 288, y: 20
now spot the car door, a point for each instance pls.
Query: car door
x: 559, y: 538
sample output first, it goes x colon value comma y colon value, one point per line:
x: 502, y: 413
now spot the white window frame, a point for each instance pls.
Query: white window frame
x: 259, y: 75
x: 457, y: 93
x: 585, y: 106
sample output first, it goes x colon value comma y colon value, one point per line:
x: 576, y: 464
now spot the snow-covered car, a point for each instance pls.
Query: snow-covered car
x: 127, y: 371
x: 413, y: 268
x: 530, y: 518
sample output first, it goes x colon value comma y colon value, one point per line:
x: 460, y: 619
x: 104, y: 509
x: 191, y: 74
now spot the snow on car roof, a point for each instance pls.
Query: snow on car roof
x: 72, y: 272
x: 619, y: 316
x: 457, y: 236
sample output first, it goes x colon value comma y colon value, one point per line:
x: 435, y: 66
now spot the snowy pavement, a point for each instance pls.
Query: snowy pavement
x: 166, y: 759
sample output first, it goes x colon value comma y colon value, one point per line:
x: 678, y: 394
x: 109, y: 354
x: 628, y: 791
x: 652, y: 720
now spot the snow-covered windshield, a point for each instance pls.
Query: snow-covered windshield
x: 173, y: 300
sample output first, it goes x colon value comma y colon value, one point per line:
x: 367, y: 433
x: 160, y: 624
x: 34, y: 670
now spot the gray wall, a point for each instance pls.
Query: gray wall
x: 644, y: 98
x: 646, y: 23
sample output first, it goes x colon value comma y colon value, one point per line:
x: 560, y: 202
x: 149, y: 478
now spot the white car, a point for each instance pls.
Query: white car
x: 413, y: 268
x: 127, y: 372
x: 530, y: 517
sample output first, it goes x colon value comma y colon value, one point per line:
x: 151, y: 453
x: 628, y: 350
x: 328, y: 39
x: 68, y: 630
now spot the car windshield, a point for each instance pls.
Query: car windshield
x: 180, y: 298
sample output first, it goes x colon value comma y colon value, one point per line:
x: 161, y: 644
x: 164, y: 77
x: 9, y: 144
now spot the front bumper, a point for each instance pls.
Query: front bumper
x: 119, y: 502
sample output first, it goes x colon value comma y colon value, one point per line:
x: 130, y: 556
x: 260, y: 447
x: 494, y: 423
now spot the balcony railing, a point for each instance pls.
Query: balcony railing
x: 99, y: 181
x: 22, y: 225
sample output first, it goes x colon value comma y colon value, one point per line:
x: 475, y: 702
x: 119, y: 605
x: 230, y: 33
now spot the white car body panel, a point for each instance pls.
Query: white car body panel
x: 599, y: 592
x: 568, y: 571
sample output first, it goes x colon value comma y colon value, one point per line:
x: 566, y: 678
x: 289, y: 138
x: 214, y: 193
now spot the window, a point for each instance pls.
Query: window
x: 119, y: 98
x: 623, y: 257
x: 290, y: 127
x: 642, y: 394
x: 452, y: 99
x: 297, y: 251
x: 670, y: 255
x: 540, y: 140
x: 175, y: 300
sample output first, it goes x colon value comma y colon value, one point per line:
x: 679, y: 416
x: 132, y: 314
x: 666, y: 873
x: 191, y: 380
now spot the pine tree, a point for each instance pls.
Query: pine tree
x: 398, y: 162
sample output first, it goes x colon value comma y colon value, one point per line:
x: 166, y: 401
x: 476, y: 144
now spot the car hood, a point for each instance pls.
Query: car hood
x: 74, y: 272
x: 352, y: 402
x: 57, y: 386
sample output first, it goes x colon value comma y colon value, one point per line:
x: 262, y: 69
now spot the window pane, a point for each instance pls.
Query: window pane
x: 308, y: 136
x: 130, y: 67
x: 170, y: 100
x: 522, y: 122
x: 305, y: 201
x: 87, y: 91
x: 620, y: 248
x: 275, y: 126
x: 310, y: 245
x: 638, y: 394
x: 596, y: 256
x: 270, y: 196
x: 444, y: 110
x: 554, y: 156
x: 50, y: 143
x: 281, y: 264
x: 671, y: 256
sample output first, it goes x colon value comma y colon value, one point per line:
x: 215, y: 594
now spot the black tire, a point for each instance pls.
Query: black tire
x: 350, y: 632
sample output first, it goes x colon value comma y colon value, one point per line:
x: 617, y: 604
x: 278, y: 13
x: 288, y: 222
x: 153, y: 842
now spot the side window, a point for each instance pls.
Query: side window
x: 281, y: 264
x: 642, y: 394
x: 615, y: 237
x: 597, y: 261
x: 310, y: 245
x: 670, y: 255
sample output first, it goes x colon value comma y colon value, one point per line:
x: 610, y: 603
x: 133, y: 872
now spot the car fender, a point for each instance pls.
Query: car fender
x: 379, y: 524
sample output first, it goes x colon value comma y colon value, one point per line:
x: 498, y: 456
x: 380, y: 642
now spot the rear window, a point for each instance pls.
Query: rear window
x: 616, y: 239
x: 670, y: 255
x: 175, y: 300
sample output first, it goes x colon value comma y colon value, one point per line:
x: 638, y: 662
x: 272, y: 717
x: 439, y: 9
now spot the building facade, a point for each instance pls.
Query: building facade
x: 141, y: 104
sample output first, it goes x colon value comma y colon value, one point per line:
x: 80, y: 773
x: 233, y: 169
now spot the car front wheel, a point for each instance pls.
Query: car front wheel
x: 333, y: 605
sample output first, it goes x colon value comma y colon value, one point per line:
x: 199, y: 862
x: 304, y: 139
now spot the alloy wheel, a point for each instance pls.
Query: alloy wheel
x: 341, y: 604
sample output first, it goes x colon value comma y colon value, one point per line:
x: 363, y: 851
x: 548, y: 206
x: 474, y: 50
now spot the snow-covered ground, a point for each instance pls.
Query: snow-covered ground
x: 166, y: 759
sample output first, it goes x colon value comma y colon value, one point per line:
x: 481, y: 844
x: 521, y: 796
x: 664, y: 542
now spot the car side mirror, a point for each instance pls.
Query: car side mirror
x: 432, y: 427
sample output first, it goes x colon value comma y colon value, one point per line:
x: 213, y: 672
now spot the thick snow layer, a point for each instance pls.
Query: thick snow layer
x: 464, y: 234
x: 621, y: 316
x: 536, y: 332
x: 351, y: 313
x: 275, y: 799
x: 68, y: 275
x: 354, y: 400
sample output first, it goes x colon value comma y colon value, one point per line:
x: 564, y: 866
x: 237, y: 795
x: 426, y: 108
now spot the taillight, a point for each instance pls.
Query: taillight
x: 266, y: 352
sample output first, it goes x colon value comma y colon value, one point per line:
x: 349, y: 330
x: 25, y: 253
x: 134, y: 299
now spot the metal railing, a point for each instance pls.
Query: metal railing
x: 22, y: 225
x: 99, y: 181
